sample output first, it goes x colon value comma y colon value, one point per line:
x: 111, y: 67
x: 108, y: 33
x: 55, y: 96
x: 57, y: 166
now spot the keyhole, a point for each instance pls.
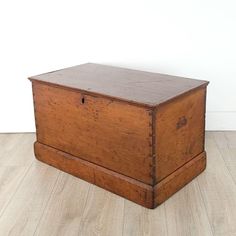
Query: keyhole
x: 82, y: 100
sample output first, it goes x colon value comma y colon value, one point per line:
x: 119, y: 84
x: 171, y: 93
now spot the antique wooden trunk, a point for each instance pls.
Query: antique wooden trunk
x: 137, y: 134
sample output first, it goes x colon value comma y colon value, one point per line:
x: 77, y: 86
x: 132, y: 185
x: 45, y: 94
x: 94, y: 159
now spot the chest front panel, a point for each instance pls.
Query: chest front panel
x: 112, y: 134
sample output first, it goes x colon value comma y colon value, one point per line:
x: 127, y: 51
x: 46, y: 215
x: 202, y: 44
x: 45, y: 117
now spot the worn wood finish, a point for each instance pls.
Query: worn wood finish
x: 109, y: 133
x: 138, y: 87
x: 124, y: 130
x: 33, y: 201
x: 171, y: 184
x: 143, y: 194
x: 179, y: 132
x: 124, y: 186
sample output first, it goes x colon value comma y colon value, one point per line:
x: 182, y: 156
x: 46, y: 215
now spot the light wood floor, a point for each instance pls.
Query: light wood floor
x: 36, y: 199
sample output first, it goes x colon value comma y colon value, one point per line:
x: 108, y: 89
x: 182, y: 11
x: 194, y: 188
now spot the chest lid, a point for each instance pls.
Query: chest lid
x: 146, y: 88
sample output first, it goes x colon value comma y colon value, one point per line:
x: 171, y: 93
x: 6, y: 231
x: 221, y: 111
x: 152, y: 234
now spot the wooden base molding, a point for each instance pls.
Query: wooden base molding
x: 134, y: 190
x: 178, y: 179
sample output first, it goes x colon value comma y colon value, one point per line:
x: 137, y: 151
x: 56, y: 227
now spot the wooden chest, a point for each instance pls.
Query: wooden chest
x: 137, y: 134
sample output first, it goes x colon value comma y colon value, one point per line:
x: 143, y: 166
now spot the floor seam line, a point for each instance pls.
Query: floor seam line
x: 7, y: 204
x: 221, y: 155
x: 204, y: 204
x: 84, y: 207
x: 123, y: 225
x: 47, y: 203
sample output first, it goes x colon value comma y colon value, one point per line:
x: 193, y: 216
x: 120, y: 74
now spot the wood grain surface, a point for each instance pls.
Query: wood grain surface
x: 135, y: 146
x: 134, y: 86
x: 178, y: 179
x: 111, y: 134
x: 143, y: 194
x: 180, y: 130
x: 122, y: 185
x: 36, y: 199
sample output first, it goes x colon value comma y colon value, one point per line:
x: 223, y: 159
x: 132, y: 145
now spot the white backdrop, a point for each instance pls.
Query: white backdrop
x: 186, y: 37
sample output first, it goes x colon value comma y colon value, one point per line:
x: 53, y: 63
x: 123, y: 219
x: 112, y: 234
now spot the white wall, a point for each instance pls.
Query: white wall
x: 187, y: 38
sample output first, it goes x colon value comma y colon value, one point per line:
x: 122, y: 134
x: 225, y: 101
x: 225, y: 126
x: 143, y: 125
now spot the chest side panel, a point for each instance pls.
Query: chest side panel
x: 112, y: 134
x: 180, y: 126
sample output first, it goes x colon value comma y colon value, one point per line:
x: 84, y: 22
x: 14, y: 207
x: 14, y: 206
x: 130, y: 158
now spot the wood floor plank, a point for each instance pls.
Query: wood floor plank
x: 219, y: 138
x: 186, y: 214
x: 218, y: 191
x: 226, y: 142
x: 231, y: 138
x: 230, y: 160
x: 16, y: 149
x: 12, y: 166
x: 142, y: 221
x: 35, y: 198
x: 65, y: 207
x: 10, y: 179
x: 103, y: 214
x: 27, y: 205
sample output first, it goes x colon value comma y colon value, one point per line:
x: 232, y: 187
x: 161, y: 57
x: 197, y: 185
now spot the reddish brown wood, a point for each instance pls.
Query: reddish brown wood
x: 178, y: 179
x: 137, y: 134
x: 122, y: 185
x: 179, y: 132
x: 143, y: 194
x: 139, y: 87
x: 109, y: 133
